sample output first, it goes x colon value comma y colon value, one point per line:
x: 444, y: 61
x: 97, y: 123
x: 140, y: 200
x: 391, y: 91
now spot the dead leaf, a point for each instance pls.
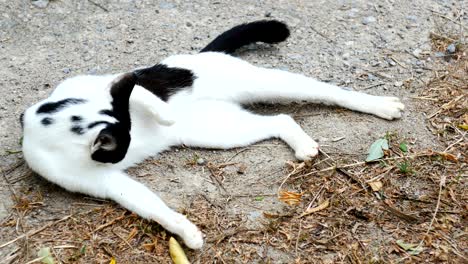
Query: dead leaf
x: 132, y: 234
x: 46, y: 257
x: 448, y: 156
x: 320, y: 207
x: 149, y: 247
x: 375, y: 185
x: 177, y: 253
x: 412, y: 249
x: 290, y: 198
x: 112, y: 261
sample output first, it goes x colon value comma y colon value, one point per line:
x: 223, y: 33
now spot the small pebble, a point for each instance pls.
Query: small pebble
x: 439, y: 54
x: 166, y: 5
x: 451, y: 48
x: 368, y: 20
x: 66, y: 70
x: 371, y: 77
x: 412, y: 18
x: 41, y: 3
x: 398, y: 83
x: 200, y: 161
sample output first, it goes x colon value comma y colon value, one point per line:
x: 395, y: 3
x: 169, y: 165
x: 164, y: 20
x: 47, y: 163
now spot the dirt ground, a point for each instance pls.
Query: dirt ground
x: 380, y: 47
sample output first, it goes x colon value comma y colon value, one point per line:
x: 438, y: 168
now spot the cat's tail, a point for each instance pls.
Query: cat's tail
x: 268, y: 31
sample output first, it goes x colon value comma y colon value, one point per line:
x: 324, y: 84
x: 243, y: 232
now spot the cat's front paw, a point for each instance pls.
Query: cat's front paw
x: 388, y: 107
x: 193, y: 238
x: 308, y: 150
x: 189, y: 232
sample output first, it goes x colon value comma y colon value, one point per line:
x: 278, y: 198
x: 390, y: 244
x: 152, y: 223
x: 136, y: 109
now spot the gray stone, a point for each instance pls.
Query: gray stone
x: 200, y: 161
x: 40, y: 3
x: 368, y: 20
x: 412, y: 18
x: 166, y: 5
x: 451, y: 48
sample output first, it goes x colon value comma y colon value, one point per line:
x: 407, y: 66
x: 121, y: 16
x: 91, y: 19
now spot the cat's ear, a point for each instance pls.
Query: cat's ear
x: 105, y: 141
x: 112, y: 142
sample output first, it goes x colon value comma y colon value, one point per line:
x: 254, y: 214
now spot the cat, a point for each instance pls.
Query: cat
x: 91, y: 128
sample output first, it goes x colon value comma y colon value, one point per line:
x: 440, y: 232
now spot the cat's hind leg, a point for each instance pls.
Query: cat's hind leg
x: 222, y: 77
x: 269, y: 85
x: 222, y: 125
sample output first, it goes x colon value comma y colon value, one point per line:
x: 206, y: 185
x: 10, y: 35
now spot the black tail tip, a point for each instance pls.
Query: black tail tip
x: 274, y: 31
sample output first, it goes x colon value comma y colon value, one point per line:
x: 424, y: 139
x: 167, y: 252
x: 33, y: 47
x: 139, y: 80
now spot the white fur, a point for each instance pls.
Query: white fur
x: 207, y: 115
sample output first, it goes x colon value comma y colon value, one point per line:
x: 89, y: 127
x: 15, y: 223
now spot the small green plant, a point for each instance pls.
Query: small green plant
x: 405, y: 167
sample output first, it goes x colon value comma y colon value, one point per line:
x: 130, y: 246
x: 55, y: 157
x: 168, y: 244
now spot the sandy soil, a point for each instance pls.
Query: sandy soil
x: 357, y: 44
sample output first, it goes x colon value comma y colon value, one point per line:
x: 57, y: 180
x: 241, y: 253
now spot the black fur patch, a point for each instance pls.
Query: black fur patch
x: 93, y: 124
x: 47, y: 121
x: 107, y: 112
x: 21, y: 119
x: 268, y: 31
x: 119, y: 131
x: 164, y: 81
x: 77, y: 130
x: 52, y: 107
x: 76, y: 119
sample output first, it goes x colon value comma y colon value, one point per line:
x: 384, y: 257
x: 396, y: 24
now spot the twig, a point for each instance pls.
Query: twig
x: 408, y: 218
x: 123, y: 239
x: 448, y: 18
x: 371, y: 86
x: 298, y: 236
x: 9, y: 186
x: 233, y: 156
x: 456, y: 142
x: 99, y: 5
x: 398, y: 62
x: 315, y: 198
x: 444, y: 106
x: 442, y: 37
x: 441, y: 186
x: 424, y: 98
x: 343, y: 171
x: 109, y: 223
x: 321, y: 34
x: 33, y: 232
x: 231, y: 233
x: 35, y: 260
x: 336, y: 167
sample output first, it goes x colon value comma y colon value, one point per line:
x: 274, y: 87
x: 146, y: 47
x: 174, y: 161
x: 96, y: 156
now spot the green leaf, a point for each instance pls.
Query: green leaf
x: 44, y: 253
x: 403, y: 147
x: 413, y: 249
x: 259, y: 198
x: 376, y: 149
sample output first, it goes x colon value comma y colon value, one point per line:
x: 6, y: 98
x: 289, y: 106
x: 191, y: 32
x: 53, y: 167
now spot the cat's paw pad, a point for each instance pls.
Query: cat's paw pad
x: 307, y: 151
x: 389, y: 108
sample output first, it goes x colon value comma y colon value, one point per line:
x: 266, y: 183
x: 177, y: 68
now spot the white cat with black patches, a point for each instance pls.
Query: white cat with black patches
x: 91, y: 128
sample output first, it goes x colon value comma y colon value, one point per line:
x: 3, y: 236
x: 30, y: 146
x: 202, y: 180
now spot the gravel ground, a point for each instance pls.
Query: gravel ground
x: 363, y: 45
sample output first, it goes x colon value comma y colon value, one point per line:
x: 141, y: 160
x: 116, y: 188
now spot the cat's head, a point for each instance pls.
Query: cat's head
x: 85, y: 117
